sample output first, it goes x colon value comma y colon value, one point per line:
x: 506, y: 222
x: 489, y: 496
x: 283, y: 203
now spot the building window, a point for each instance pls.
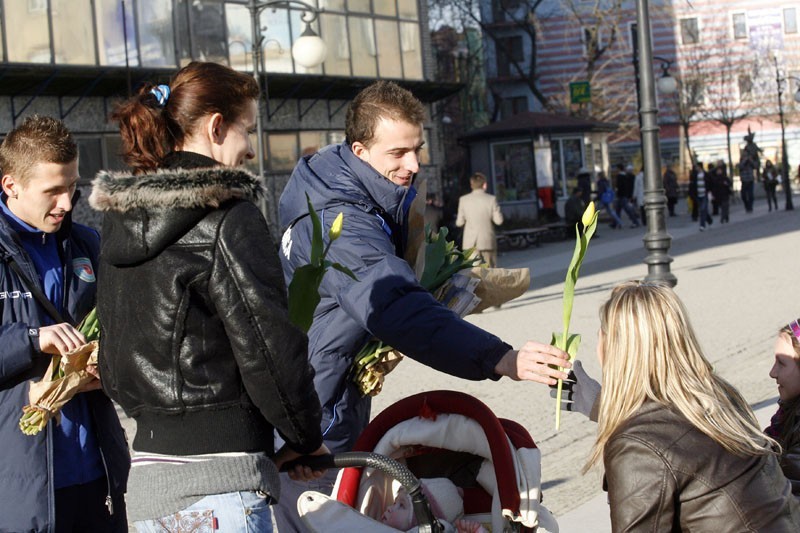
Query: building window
x: 410, y: 47
x: 513, y: 106
x: 201, y: 33
x: 745, y: 87
x: 790, y: 20
x: 362, y: 46
x: 333, y: 29
x: 156, y: 34
x: 504, y: 10
x: 359, y: 6
x: 27, y: 33
x: 389, y: 65
x: 690, y: 33
x: 739, y: 26
x: 508, y: 51
x: 567, y: 160
x: 73, y: 38
x: 512, y: 171
x: 112, y: 46
x: 408, y: 9
x: 591, y: 37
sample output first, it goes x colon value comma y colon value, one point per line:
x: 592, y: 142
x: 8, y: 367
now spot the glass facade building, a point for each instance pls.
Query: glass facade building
x: 74, y: 58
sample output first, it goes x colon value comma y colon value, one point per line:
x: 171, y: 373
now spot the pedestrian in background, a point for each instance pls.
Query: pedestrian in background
x: 574, y: 208
x: 478, y: 213
x: 584, y: 180
x: 681, y: 448
x: 770, y: 177
x: 785, y: 424
x: 71, y: 476
x: 605, y: 195
x: 747, y: 174
x: 699, y: 192
x: 721, y: 192
x: 197, y: 343
x: 625, y: 185
x: 711, y: 186
x: 671, y: 189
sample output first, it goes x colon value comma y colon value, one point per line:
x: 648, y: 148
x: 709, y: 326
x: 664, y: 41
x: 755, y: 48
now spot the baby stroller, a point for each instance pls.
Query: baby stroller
x: 434, y: 435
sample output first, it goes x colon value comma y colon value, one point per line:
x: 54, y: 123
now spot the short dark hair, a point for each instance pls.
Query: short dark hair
x: 382, y: 99
x: 477, y: 180
x: 38, y: 139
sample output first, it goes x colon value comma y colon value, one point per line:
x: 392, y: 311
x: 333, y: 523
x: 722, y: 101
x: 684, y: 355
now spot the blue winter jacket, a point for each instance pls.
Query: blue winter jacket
x: 386, y: 302
x: 26, y: 462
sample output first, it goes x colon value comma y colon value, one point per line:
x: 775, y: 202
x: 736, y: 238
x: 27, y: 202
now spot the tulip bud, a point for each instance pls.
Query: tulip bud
x: 336, y: 227
x: 588, y: 215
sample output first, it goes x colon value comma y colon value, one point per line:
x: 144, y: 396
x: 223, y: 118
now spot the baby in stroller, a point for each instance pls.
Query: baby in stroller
x: 481, y: 473
x: 447, y: 503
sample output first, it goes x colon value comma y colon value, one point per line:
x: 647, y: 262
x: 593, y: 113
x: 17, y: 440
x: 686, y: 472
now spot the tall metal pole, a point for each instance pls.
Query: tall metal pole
x: 657, y: 241
x: 787, y: 186
x: 256, y: 37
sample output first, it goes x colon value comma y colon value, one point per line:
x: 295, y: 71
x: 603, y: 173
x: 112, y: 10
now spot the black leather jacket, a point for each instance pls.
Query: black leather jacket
x: 665, y: 475
x: 197, y: 344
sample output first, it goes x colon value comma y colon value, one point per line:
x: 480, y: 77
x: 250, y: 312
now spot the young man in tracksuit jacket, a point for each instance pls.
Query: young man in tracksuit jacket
x: 369, y: 179
x: 71, y: 476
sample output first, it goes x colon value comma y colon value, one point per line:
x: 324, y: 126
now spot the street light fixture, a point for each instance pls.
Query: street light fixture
x: 780, y: 80
x: 657, y: 241
x: 308, y: 51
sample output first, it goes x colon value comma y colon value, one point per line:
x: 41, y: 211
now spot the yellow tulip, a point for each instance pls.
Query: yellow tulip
x: 588, y: 214
x: 336, y: 227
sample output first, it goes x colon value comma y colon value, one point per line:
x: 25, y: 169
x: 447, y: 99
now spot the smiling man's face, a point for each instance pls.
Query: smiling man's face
x: 44, y: 199
x: 394, y: 151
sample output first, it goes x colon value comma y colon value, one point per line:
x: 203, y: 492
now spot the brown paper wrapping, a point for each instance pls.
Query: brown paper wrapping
x: 499, y: 285
x: 48, y: 395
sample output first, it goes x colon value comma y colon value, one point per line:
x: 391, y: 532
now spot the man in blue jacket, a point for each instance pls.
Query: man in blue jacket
x: 71, y: 476
x: 369, y: 178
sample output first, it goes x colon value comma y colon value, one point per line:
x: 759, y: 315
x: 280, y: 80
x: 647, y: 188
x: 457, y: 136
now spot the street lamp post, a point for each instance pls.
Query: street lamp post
x: 787, y: 185
x: 657, y: 241
x: 308, y: 51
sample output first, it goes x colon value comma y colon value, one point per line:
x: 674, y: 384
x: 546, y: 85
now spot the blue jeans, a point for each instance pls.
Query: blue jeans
x: 705, y: 218
x: 617, y: 222
x: 235, y: 512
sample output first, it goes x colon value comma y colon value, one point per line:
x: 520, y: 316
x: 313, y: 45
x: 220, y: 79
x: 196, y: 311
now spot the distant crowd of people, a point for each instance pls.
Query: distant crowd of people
x: 709, y: 194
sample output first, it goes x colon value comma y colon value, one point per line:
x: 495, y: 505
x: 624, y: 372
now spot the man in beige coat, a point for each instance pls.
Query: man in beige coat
x: 477, y: 212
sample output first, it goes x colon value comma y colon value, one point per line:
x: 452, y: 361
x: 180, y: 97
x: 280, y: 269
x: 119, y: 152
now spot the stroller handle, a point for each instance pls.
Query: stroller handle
x: 426, y: 522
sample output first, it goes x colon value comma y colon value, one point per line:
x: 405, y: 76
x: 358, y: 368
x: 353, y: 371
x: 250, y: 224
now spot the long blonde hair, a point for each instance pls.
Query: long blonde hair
x: 650, y: 352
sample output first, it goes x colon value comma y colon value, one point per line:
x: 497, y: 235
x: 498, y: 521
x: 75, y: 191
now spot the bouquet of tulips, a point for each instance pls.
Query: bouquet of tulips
x: 443, y: 262
x: 64, y: 377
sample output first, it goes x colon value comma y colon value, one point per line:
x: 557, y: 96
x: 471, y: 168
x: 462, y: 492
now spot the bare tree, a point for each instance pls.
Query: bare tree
x: 516, y: 14
x: 605, y: 54
x: 727, y: 76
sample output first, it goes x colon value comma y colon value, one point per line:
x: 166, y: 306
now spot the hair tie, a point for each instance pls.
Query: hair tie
x: 795, y: 327
x: 161, y: 92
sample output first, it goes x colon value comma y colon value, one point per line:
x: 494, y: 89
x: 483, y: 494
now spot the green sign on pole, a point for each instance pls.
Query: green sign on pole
x: 579, y: 92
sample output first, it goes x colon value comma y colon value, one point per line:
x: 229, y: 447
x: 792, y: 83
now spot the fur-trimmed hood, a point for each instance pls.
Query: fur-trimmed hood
x: 172, y: 189
x: 146, y: 213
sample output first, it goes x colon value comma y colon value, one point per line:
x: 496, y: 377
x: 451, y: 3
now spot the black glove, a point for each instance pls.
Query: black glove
x: 579, y: 392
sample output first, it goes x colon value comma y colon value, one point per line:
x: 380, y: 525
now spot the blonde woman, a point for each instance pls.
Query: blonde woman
x: 681, y: 448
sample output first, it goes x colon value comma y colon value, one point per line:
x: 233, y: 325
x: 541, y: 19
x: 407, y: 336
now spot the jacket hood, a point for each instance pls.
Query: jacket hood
x: 335, y: 176
x: 146, y: 213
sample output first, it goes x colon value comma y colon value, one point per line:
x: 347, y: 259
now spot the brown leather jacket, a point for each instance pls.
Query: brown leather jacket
x: 665, y: 475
